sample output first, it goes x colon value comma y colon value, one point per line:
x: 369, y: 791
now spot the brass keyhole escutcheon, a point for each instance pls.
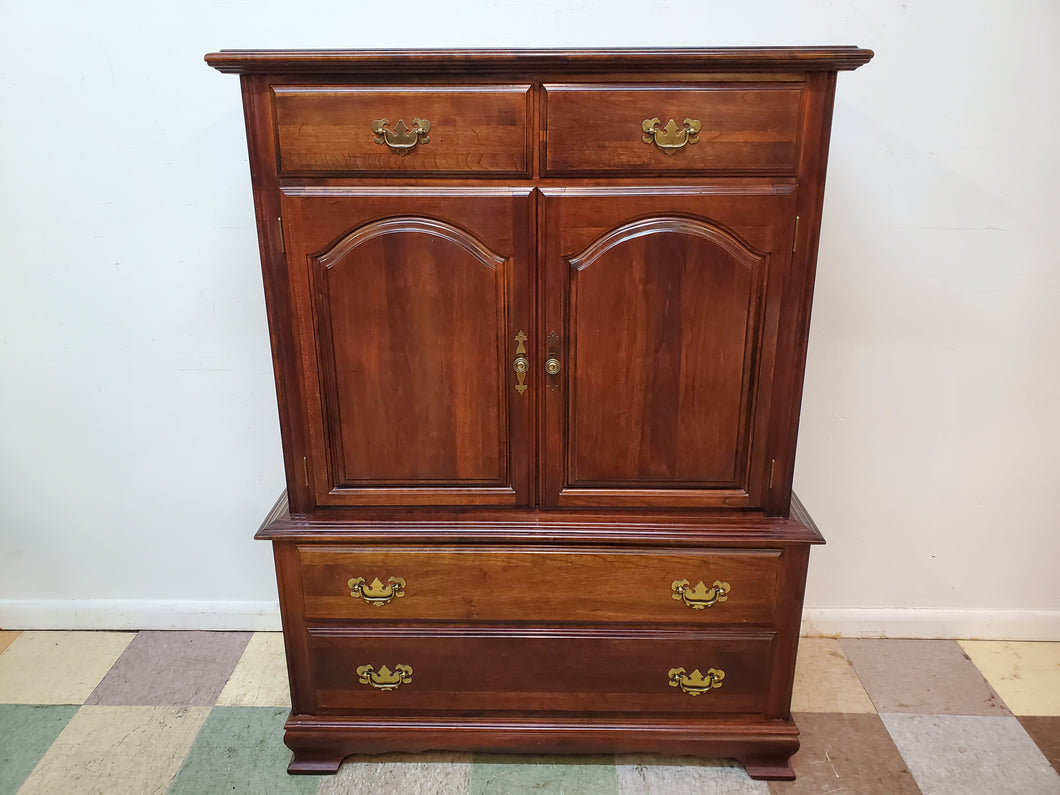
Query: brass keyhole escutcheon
x: 552, y: 364
x: 520, y: 364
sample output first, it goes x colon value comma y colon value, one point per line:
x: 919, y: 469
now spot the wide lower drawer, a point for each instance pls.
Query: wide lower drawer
x: 402, y: 129
x: 554, y: 670
x: 540, y: 586
x: 739, y: 127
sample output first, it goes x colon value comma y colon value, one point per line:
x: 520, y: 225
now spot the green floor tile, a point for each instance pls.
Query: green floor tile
x: 26, y: 732
x: 555, y: 775
x: 240, y: 749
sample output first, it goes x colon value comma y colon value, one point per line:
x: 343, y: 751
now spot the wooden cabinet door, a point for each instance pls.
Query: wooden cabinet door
x: 408, y: 304
x: 662, y: 308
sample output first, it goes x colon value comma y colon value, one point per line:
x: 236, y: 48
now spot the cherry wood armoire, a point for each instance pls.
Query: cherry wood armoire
x: 539, y: 323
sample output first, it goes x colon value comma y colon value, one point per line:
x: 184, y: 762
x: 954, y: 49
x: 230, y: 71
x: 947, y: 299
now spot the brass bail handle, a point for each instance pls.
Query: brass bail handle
x: 384, y: 679
x: 671, y: 137
x: 695, y: 683
x: 401, y: 138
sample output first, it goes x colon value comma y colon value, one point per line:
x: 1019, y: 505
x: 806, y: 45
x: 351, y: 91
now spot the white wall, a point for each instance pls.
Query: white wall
x: 139, y: 445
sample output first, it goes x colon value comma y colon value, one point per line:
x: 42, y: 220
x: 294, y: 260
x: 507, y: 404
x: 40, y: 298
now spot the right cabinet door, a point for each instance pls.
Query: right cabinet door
x: 660, y: 317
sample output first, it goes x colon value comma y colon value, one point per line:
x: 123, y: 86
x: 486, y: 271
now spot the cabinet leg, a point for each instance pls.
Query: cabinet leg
x: 316, y: 761
x: 768, y: 767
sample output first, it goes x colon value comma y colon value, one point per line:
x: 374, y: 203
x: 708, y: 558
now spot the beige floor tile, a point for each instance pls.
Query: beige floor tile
x: 644, y: 774
x: 260, y: 676
x: 6, y: 636
x: 117, y: 750
x: 57, y: 667
x: 413, y: 774
x: 825, y: 680
x: 1025, y: 674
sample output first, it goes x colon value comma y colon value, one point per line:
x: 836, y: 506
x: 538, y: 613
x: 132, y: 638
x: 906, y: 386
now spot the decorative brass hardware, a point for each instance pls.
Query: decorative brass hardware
x: 376, y: 593
x: 521, y: 365
x: 700, y: 596
x: 552, y: 363
x: 384, y: 679
x: 401, y: 138
x: 696, y: 683
x: 671, y: 137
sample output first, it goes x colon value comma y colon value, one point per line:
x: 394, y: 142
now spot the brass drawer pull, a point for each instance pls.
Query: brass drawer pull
x: 671, y: 137
x: 384, y: 679
x: 696, y: 683
x: 376, y: 593
x: 700, y: 596
x: 401, y: 138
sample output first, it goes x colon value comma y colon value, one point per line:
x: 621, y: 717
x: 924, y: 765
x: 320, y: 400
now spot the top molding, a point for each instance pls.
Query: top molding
x: 491, y: 62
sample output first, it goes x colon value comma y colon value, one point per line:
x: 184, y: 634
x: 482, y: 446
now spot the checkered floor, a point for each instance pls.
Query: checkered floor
x: 202, y: 712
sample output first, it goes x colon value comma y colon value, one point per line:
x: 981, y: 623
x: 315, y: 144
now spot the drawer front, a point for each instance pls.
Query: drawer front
x: 338, y: 129
x: 738, y: 127
x: 456, y: 584
x: 493, y: 670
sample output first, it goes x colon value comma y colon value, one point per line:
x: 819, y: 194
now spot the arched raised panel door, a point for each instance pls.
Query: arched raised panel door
x: 408, y: 310
x: 661, y: 309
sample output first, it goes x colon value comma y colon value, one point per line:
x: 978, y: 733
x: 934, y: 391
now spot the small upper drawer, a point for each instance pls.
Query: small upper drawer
x: 458, y: 584
x: 739, y: 127
x: 408, y: 130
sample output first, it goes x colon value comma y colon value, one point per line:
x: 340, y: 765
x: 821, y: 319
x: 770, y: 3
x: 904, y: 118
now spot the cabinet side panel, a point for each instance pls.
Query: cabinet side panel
x: 798, y: 296
x: 790, y: 591
x: 289, y: 585
x: 261, y: 144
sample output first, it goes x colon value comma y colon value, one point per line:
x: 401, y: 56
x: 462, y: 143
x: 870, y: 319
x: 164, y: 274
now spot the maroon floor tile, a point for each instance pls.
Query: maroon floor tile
x: 846, y: 754
x: 926, y: 677
x: 1045, y: 731
x: 171, y: 668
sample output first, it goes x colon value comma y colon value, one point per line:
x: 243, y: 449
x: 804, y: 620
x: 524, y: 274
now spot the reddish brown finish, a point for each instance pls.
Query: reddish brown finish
x: 539, y: 534
x: 413, y: 397
x: 667, y: 324
x: 320, y: 745
x: 746, y: 127
x: 660, y: 61
x: 546, y: 585
x: 478, y: 671
x: 472, y: 129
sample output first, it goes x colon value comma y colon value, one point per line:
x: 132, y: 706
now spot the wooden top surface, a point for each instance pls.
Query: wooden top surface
x: 528, y: 526
x: 712, y: 59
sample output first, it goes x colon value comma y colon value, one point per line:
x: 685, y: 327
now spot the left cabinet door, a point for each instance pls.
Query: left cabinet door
x: 409, y: 306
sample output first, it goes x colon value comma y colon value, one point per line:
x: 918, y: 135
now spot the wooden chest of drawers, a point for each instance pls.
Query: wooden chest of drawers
x: 539, y: 321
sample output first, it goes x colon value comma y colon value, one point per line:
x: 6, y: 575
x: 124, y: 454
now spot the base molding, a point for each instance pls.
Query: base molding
x: 319, y: 744
x: 247, y: 616
x: 133, y: 614
x: 960, y: 624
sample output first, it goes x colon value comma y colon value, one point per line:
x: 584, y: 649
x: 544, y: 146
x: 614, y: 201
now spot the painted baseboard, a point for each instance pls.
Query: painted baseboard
x: 931, y: 623
x: 265, y: 617
x: 138, y: 614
